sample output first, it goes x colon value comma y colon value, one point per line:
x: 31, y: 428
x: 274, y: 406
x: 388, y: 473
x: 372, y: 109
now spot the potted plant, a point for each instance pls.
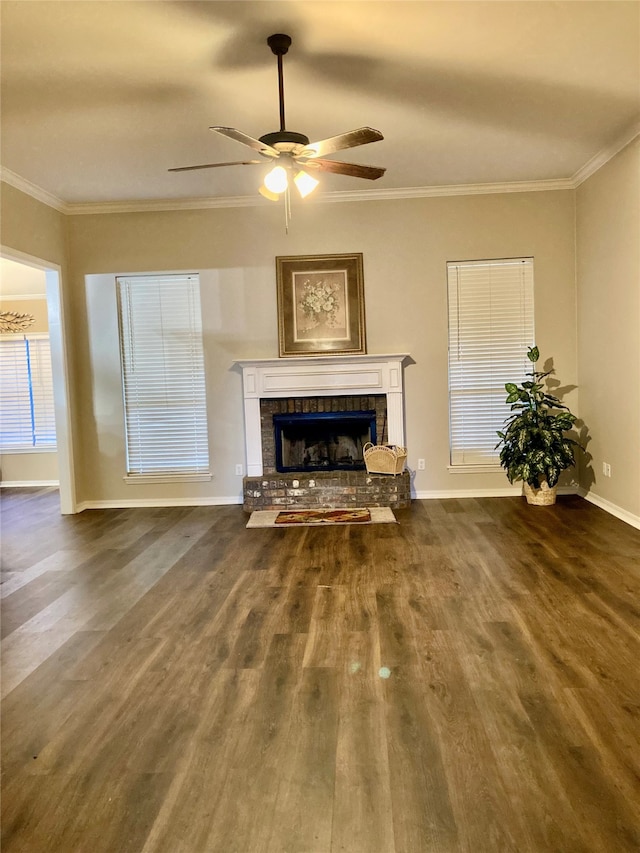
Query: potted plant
x: 535, y: 448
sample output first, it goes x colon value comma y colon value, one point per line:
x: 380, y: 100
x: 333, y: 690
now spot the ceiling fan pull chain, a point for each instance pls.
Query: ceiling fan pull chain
x: 287, y: 209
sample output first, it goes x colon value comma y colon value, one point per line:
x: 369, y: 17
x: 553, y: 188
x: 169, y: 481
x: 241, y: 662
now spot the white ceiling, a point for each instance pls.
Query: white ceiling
x: 99, y: 98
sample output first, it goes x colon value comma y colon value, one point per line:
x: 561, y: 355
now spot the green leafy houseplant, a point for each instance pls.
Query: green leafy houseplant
x: 535, y: 448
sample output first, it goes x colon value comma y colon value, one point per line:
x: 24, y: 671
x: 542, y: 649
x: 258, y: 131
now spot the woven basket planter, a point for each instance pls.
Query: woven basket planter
x: 384, y: 458
x: 544, y: 496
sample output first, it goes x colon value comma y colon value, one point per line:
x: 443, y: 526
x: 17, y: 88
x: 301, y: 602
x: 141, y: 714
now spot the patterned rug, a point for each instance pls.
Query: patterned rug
x: 312, y: 517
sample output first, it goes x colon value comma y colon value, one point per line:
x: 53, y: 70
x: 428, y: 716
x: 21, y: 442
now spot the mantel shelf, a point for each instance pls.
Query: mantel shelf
x: 293, y: 361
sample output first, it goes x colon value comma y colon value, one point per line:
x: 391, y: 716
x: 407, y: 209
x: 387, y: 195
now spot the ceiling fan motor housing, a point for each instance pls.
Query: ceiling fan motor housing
x: 286, y: 141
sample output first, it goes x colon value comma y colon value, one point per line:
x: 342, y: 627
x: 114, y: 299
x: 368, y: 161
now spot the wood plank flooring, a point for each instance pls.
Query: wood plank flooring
x: 465, y: 680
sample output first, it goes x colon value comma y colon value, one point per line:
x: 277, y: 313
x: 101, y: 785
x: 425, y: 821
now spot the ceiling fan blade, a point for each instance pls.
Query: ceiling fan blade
x: 215, y: 165
x: 361, y: 136
x: 239, y: 136
x: 355, y: 170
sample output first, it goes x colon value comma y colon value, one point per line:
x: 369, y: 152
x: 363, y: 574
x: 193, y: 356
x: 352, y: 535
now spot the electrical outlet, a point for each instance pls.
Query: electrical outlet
x: 239, y: 470
x: 420, y: 464
x: 606, y: 469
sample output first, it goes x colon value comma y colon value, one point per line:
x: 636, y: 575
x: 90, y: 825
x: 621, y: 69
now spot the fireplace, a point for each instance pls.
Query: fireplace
x: 323, y: 441
x: 316, y: 389
x: 325, y: 378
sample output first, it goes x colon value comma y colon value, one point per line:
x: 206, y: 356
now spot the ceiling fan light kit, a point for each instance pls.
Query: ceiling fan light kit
x: 276, y: 180
x: 294, y: 150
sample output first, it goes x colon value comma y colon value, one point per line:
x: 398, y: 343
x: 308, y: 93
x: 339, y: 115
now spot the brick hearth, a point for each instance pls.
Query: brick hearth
x: 326, y: 489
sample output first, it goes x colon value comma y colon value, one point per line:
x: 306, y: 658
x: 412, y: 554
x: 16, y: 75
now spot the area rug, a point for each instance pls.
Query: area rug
x: 314, y: 517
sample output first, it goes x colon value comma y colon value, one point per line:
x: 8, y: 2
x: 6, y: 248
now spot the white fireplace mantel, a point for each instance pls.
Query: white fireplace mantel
x: 320, y: 376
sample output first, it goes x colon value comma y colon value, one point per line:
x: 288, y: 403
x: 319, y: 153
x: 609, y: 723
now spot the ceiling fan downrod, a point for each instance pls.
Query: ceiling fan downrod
x: 284, y: 140
x: 279, y: 44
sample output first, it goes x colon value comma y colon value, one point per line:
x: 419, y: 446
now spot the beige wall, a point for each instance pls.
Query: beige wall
x: 31, y: 227
x: 608, y: 280
x: 29, y: 468
x: 406, y: 245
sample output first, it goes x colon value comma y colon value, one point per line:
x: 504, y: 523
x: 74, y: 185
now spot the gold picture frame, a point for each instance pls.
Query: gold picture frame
x: 321, y: 305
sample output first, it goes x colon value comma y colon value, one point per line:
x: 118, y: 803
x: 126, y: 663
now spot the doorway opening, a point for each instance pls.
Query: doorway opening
x: 26, y: 272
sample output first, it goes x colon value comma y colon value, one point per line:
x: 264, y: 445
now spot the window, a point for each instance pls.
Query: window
x: 27, y: 417
x: 490, y: 330
x: 163, y: 376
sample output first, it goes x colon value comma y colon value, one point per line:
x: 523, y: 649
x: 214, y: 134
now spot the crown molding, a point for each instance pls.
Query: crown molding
x: 23, y: 297
x: 321, y: 198
x: 32, y: 190
x: 608, y: 153
x: 163, y: 204
x: 448, y: 190
x: 92, y: 208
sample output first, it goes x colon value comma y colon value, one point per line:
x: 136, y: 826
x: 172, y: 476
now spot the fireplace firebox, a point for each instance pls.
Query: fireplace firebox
x: 323, y: 441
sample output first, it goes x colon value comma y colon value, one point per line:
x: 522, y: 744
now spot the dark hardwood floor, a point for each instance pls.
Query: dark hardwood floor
x: 465, y: 680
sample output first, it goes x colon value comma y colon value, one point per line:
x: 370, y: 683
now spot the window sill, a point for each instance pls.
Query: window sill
x: 475, y: 469
x: 8, y: 451
x: 150, y: 479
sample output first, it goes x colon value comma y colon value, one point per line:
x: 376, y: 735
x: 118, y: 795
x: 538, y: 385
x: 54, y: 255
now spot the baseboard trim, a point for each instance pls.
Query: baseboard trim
x: 28, y: 484
x: 611, y: 508
x: 134, y: 503
x: 503, y: 492
x: 442, y: 494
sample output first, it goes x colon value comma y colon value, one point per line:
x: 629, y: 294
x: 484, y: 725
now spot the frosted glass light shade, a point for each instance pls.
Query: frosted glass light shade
x: 305, y: 183
x: 276, y: 180
x: 268, y: 194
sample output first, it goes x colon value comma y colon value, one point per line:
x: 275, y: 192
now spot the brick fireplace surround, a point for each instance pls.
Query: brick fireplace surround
x: 321, y: 383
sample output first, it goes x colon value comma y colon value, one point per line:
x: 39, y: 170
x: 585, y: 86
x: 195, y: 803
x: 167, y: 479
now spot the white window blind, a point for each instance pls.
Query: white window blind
x: 163, y: 375
x: 490, y: 329
x: 27, y: 416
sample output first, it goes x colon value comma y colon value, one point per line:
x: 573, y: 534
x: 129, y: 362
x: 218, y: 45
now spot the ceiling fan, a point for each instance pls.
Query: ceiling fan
x: 292, y: 151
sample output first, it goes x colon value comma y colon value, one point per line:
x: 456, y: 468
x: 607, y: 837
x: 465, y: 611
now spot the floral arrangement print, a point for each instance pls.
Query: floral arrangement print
x: 319, y: 302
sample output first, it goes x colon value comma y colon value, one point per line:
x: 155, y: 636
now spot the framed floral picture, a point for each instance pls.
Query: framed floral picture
x: 320, y: 305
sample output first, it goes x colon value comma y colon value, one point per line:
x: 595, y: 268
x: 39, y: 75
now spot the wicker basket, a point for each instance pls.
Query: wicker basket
x: 544, y: 496
x: 384, y: 458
